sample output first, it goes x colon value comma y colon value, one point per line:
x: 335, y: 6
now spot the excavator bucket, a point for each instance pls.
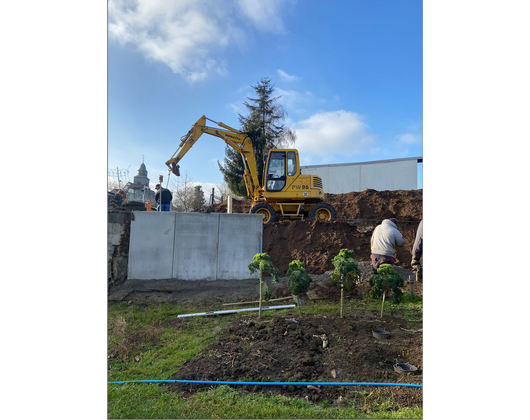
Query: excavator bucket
x: 175, y: 169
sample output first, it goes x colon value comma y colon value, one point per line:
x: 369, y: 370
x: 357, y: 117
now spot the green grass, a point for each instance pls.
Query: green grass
x: 141, y: 349
x: 155, y: 401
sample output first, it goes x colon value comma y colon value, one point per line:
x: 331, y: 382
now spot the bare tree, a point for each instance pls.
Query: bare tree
x: 287, y: 138
x: 183, y: 193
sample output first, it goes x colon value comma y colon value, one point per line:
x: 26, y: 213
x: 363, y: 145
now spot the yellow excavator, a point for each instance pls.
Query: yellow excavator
x: 286, y: 191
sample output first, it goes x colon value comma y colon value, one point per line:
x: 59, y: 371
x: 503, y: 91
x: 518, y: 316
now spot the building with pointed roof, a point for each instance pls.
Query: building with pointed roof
x: 139, y: 190
x: 141, y: 176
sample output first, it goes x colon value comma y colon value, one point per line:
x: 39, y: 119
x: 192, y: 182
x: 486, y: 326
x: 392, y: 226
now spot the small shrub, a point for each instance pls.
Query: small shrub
x: 385, y: 278
x: 262, y: 263
x: 299, y: 280
x: 346, y: 274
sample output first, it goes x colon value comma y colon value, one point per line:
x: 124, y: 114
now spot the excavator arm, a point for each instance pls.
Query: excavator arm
x: 239, y: 141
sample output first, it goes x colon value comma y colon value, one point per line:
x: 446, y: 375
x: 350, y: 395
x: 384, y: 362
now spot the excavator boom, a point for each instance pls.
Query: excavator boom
x: 239, y: 141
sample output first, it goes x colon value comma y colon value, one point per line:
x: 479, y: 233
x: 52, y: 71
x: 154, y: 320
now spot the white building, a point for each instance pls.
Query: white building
x: 380, y: 175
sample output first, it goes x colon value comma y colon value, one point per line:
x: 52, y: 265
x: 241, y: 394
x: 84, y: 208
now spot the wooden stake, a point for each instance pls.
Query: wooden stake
x: 256, y: 301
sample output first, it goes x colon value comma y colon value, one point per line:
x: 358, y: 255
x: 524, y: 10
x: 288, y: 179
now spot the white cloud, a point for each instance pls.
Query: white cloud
x: 407, y: 139
x: 298, y: 102
x: 265, y: 15
x: 188, y: 35
x: 287, y: 77
x: 412, y: 136
x: 326, y: 134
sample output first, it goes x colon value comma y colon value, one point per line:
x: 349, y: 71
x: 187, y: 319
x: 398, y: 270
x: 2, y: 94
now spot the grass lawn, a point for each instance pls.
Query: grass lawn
x: 140, y: 348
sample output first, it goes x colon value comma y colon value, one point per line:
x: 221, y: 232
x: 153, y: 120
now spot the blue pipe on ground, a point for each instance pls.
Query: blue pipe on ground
x: 151, y: 381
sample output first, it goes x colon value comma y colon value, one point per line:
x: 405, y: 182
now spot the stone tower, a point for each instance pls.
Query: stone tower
x: 141, y: 176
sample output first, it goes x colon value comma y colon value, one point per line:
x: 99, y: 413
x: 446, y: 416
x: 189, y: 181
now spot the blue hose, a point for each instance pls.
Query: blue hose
x: 266, y: 383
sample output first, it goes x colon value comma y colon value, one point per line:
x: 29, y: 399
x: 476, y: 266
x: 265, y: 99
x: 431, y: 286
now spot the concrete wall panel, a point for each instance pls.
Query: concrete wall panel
x: 240, y: 238
x: 193, y: 246
x: 151, y: 245
x: 196, y: 245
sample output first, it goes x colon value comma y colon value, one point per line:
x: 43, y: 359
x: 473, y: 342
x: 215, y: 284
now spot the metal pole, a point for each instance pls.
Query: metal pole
x: 160, y: 179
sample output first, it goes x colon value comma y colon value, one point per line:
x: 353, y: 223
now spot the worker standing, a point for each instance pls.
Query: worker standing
x: 163, y: 198
x: 385, y: 239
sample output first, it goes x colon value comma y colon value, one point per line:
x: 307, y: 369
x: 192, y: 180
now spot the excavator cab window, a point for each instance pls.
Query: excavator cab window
x: 276, y: 171
x: 291, y: 163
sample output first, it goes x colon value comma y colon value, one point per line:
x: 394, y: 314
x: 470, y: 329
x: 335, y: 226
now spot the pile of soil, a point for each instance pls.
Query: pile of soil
x: 290, y: 348
x: 404, y: 205
x: 358, y: 213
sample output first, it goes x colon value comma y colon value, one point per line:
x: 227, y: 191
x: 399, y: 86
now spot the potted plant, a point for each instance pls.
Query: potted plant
x: 262, y: 263
x: 346, y: 274
x: 299, y: 280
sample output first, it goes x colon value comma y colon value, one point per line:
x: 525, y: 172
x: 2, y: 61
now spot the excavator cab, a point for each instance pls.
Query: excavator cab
x: 281, y: 170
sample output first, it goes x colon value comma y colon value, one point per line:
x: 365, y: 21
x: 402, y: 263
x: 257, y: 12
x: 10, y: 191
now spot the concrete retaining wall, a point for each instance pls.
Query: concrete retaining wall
x: 193, y: 246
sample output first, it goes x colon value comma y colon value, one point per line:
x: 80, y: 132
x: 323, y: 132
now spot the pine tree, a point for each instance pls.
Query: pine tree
x: 265, y: 125
x: 198, y: 198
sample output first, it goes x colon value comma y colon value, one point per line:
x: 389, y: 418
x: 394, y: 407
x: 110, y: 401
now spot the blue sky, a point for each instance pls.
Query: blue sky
x: 349, y: 73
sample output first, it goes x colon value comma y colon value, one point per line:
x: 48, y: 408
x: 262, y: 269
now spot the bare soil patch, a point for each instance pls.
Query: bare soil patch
x: 290, y: 349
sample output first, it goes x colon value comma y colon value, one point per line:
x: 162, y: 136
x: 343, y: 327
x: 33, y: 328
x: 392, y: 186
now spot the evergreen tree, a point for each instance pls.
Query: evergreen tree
x: 198, y: 198
x: 265, y: 126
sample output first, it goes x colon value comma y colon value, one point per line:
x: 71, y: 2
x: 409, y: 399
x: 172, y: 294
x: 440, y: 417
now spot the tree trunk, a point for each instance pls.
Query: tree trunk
x: 298, y: 301
x: 341, y: 298
x: 260, y: 287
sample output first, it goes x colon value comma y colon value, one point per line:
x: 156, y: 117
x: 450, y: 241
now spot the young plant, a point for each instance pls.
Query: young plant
x: 299, y: 280
x: 346, y: 273
x: 262, y: 263
x: 385, y: 278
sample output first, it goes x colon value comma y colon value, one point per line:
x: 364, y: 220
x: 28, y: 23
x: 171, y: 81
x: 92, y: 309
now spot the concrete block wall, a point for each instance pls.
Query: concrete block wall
x: 193, y: 246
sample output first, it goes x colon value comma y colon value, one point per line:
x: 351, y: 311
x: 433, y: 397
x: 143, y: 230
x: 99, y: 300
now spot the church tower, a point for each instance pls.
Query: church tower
x: 141, y: 176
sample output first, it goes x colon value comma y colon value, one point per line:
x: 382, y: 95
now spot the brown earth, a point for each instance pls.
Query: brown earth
x: 289, y: 348
x: 358, y: 213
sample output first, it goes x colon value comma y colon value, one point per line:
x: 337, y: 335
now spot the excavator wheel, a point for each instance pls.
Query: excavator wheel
x: 322, y: 212
x: 269, y: 215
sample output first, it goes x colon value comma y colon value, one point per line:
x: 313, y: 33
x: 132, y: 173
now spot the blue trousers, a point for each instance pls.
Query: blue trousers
x: 164, y: 207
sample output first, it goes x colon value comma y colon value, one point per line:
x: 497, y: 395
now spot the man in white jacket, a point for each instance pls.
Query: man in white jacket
x: 385, y: 239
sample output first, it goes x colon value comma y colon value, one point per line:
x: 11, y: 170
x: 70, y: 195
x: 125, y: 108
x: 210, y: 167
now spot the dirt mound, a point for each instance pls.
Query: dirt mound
x: 238, y: 206
x: 290, y: 349
x: 368, y: 204
x: 316, y: 243
x: 358, y: 213
x: 372, y: 204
